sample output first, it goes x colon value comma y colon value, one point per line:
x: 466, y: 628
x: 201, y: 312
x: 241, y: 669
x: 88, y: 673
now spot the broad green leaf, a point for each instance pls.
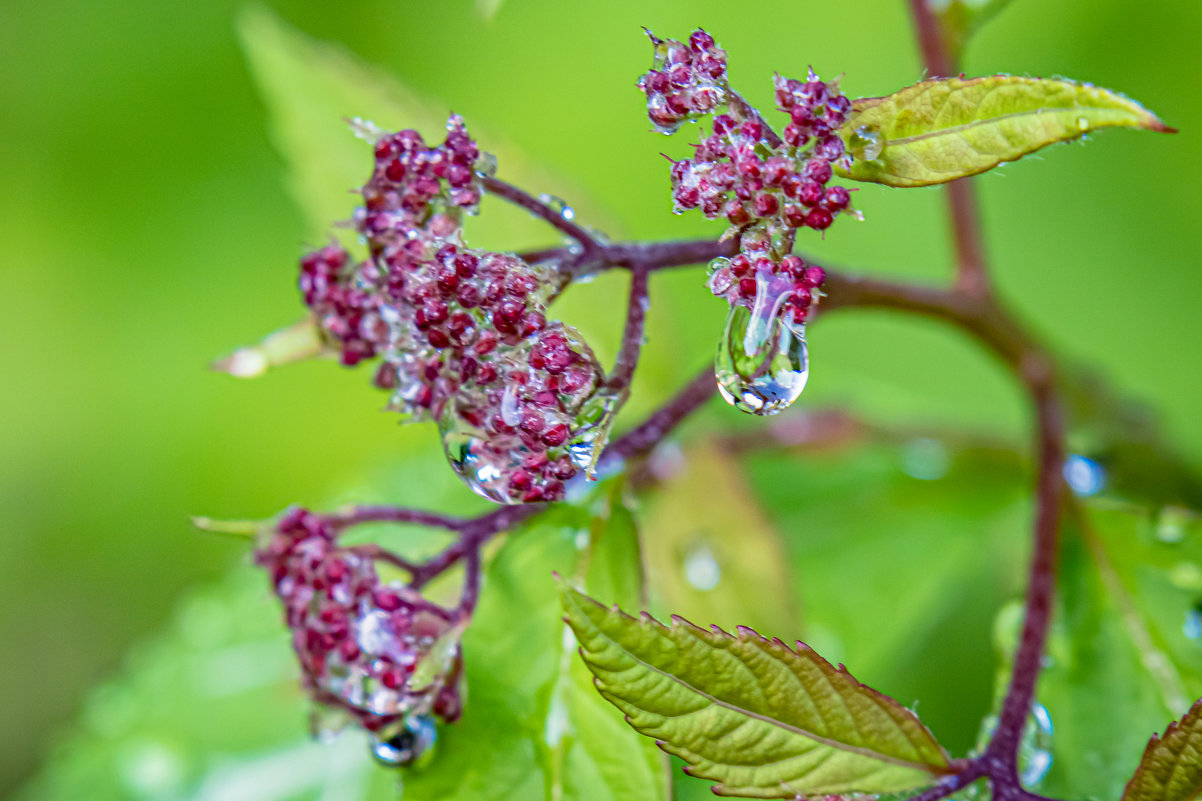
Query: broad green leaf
x: 1171, y: 768
x: 761, y: 719
x: 959, y: 19
x: 902, y: 550
x: 1127, y: 630
x: 588, y: 750
x: 947, y: 128
x: 721, y: 560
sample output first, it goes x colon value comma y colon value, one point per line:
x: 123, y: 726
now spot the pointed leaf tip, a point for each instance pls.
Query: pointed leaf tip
x: 947, y: 128
x: 749, y: 713
x: 1171, y: 767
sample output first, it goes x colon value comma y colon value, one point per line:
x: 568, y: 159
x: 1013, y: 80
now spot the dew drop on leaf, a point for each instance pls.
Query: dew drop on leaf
x: 866, y: 143
x: 762, y: 363
x: 1085, y: 476
x: 1170, y: 525
x: 1192, y: 628
x: 701, y: 568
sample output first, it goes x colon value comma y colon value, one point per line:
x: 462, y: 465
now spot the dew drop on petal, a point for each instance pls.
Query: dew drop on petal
x: 762, y: 363
x: 404, y: 744
x: 471, y: 458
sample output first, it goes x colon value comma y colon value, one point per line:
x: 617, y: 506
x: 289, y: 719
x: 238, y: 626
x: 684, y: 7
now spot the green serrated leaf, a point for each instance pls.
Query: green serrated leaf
x: 761, y: 719
x: 948, y: 128
x: 1128, y: 597
x: 1171, y: 768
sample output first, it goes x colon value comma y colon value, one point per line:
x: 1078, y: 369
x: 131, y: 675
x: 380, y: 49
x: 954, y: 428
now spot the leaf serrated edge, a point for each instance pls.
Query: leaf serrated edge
x: 1190, y: 723
x: 748, y: 634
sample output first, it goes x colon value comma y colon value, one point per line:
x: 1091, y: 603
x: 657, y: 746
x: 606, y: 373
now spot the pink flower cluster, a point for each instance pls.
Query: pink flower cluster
x: 767, y: 187
x: 463, y: 332
x: 689, y: 80
x: 359, y: 640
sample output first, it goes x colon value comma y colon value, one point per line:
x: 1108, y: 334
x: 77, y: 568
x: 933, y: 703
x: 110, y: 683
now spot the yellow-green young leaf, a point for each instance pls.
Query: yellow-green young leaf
x: 759, y: 718
x: 948, y: 128
x: 1171, y: 769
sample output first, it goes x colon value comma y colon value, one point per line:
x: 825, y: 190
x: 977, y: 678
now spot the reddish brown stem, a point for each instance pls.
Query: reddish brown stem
x: 542, y: 210
x: 632, y: 334
x: 930, y: 40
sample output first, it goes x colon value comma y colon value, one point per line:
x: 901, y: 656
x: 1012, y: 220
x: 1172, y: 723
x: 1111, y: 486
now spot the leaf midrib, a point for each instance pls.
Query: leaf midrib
x: 955, y: 129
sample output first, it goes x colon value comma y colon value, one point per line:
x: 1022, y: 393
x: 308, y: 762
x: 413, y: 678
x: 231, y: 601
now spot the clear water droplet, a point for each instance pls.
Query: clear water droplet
x: 1171, y: 524
x: 486, y: 165
x: 559, y: 206
x: 925, y: 459
x: 593, y: 423
x: 1035, y: 752
x: 866, y: 143
x: 762, y: 363
x: 1082, y: 124
x: 406, y: 743
x: 1085, y: 476
x: 1192, y: 627
x: 326, y: 722
x: 701, y: 568
x: 470, y: 456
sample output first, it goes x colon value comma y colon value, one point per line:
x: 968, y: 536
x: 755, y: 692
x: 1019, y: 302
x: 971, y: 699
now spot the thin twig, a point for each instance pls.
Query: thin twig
x: 742, y: 108
x: 632, y: 334
x: 355, y: 515
x: 544, y: 211
x: 930, y: 40
x: 972, y: 276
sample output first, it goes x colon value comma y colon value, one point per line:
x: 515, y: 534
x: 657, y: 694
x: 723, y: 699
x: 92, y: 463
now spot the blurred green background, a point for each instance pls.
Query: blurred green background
x: 147, y: 227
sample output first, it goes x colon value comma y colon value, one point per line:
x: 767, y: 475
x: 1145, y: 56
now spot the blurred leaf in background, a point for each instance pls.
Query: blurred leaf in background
x: 148, y: 228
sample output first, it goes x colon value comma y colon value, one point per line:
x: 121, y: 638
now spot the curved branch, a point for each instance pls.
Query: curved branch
x: 542, y: 210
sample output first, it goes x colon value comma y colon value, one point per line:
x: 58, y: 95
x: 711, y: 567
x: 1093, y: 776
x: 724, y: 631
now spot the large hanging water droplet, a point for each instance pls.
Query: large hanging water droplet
x: 866, y: 143
x: 762, y: 363
x: 406, y: 743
